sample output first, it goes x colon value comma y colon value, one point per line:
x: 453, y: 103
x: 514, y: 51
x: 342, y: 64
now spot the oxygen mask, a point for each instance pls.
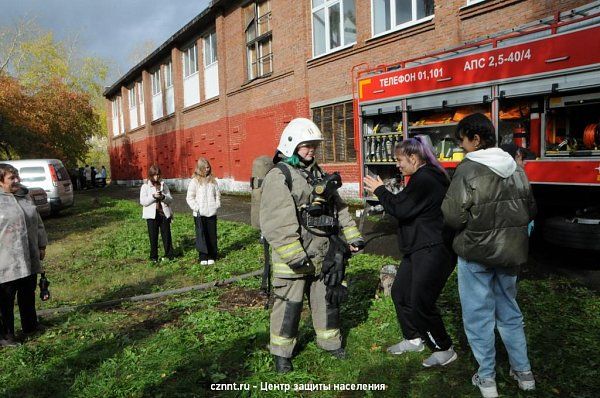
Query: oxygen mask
x: 323, y: 190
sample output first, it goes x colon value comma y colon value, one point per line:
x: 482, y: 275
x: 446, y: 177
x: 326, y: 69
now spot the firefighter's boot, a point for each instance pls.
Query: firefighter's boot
x: 282, y: 364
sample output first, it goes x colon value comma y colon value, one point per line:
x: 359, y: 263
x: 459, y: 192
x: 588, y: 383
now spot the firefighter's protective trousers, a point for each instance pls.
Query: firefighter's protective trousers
x: 287, y: 307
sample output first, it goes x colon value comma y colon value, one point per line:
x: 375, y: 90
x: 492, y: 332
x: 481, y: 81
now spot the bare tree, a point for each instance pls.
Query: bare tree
x: 141, y: 51
x: 11, y: 39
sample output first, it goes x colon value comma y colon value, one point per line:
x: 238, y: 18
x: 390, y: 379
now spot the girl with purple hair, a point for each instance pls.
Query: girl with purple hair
x: 425, y: 242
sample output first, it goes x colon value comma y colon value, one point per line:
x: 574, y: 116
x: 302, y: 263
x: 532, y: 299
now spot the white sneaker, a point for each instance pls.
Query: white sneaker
x: 210, y: 262
x: 405, y: 346
x: 203, y: 262
x: 525, y: 379
x: 440, y: 358
x: 486, y: 386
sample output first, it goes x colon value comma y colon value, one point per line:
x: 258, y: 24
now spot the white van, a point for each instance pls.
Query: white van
x: 40, y: 198
x: 49, y: 174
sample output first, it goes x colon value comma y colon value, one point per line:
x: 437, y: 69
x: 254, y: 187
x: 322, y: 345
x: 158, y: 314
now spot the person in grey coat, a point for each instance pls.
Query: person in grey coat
x: 489, y: 204
x: 22, y: 248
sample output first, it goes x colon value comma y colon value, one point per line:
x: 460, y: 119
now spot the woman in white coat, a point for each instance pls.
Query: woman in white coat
x: 156, y: 199
x: 204, y: 199
x: 22, y: 248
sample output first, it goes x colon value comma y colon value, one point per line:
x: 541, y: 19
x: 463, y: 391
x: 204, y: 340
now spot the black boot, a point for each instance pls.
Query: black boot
x: 340, y: 353
x: 282, y: 365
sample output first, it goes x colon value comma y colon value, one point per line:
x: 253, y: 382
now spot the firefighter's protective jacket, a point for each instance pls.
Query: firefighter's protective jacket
x: 290, y: 242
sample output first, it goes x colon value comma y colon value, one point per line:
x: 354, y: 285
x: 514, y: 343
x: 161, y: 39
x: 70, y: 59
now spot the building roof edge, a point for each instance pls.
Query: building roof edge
x: 178, y: 37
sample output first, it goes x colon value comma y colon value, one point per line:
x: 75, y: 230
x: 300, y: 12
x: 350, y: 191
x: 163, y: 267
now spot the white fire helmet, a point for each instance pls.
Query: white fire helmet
x: 297, y: 131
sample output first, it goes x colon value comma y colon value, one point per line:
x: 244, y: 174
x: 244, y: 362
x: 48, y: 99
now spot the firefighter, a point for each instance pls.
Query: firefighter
x: 309, y: 254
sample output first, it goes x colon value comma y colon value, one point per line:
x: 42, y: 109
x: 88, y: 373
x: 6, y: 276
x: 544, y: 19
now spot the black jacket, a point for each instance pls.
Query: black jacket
x: 490, y: 213
x: 418, y: 210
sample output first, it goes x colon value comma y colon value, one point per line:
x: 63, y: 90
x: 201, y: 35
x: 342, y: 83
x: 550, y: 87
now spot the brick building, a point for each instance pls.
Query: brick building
x: 224, y: 86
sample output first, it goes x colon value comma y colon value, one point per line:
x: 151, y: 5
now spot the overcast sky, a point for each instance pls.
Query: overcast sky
x: 109, y: 29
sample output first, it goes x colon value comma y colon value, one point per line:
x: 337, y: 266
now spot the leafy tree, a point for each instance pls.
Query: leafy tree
x: 69, y: 121
x: 17, y: 120
x: 51, y: 100
x: 41, y: 59
x: 54, y: 121
x: 98, y: 155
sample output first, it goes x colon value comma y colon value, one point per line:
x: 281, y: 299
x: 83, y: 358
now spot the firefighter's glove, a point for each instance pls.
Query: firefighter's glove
x: 304, y: 262
x: 334, y: 263
x: 336, y: 295
x: 335, y: 274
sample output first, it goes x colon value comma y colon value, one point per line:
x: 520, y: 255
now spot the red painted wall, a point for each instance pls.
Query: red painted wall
x: 250, y: 135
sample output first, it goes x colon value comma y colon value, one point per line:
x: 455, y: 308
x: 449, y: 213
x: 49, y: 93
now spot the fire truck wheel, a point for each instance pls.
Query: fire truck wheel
x: 575, y: 233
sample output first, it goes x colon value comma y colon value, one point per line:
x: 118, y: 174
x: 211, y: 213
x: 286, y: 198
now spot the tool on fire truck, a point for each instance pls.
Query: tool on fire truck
x: 591, y: 136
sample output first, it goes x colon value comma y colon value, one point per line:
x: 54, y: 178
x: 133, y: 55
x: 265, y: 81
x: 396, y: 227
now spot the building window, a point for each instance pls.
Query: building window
x: 190, y: 61
x: 116, y: 116
x: 390, y: 15
x: 132, y: 98
x: 121, y: 120
x: 191, y: 80
x: 169, y: 75
x: 337, y: 125
x: 157, y: 100
x: 169, y: 90
x: 210, y: 49
x: 334, y: 25
x: 140, y: 91
x: 155, y: 77
x: 259, y: 39
x: 133, y: 116
x: 211, y: 68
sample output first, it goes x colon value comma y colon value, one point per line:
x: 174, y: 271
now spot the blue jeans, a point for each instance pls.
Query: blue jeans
x: 488, y: 300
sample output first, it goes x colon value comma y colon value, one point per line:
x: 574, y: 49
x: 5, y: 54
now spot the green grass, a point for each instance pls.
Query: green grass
x: 179, y: 346
x: 100, y: 252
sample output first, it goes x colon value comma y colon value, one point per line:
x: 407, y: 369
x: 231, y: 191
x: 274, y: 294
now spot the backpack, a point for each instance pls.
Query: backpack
x: 260, y: 168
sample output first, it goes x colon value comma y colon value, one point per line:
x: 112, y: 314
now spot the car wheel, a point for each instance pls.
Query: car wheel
x: 576, y: 233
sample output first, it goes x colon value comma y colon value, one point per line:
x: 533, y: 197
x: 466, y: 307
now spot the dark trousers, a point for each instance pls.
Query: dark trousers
x: 420, y: 280
x: 162, y: 224
x: 206, y: 237
x: 24, y: 290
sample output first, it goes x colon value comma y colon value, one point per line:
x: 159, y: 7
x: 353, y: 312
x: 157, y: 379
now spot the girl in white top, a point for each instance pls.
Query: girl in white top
x: 155, y: 199
x: 204, y: 198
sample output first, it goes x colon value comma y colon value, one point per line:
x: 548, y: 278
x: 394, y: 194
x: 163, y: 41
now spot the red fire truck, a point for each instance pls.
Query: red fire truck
x: 540, y: 86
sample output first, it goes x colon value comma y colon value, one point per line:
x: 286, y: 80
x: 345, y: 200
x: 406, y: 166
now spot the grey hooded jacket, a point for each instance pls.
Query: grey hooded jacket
x: 22, y: 234
x: 489, y: 203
